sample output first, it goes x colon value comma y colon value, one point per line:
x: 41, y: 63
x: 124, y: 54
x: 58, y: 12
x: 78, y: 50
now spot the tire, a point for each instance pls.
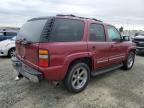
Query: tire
x: 77, y: 78
x: 128, y: 63
x: 11, y: 52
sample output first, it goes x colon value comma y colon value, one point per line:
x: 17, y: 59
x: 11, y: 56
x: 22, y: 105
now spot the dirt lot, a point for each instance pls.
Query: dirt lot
x: 117, y: 89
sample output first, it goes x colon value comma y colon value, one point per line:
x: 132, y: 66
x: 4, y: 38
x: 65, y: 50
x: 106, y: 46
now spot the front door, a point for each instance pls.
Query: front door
x: 116, y: 53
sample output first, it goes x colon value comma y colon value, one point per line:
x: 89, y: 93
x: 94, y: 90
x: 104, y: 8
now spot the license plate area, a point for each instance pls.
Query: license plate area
x: 24, y: 71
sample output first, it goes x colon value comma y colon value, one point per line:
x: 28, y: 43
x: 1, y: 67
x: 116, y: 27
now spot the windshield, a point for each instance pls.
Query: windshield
x: 11, y: 33
x: 31, y: 30
x: 139, y: 34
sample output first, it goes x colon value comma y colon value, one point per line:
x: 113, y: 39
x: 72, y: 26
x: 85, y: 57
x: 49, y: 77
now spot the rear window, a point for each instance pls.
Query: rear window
x: 31, y: 30
x: 66, y: 30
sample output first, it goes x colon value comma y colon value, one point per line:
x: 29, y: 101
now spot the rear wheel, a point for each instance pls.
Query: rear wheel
x: 128, y: 63
x: 11, y: 52
x: 77, y: 78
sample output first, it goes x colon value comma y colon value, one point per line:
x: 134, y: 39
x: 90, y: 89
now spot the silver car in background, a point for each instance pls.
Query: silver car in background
x: 7, y: 47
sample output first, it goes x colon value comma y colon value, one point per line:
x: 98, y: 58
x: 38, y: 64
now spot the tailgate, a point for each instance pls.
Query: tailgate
x: 28, y: 53
x: 27, y: 42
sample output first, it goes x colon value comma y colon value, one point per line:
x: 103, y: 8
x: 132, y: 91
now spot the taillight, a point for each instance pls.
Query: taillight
x: 43, y: 58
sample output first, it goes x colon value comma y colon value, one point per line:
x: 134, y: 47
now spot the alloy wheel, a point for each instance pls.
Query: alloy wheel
x: 79, y: 78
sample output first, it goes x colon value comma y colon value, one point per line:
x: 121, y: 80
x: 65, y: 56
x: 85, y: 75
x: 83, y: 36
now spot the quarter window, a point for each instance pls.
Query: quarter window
x: 97, y: 32
x: 66, y: 30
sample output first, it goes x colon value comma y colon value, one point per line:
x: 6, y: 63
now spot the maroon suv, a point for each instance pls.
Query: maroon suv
x: 70, y: 49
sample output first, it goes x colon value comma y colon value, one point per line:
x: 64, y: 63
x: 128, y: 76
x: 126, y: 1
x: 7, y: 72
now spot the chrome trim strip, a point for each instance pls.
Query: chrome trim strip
x: 116, y: 58
x: 101, y: 61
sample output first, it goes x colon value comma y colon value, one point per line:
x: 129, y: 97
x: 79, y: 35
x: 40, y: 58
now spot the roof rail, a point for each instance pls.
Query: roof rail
x: 96, y: 19
x: 71, y: 15
x: 66, y: 15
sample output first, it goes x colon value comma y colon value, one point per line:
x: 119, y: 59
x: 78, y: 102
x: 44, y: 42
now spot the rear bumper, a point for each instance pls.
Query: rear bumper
x: 28, y: 72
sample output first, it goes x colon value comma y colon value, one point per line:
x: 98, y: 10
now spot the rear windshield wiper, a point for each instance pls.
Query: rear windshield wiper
x: 25, y: 41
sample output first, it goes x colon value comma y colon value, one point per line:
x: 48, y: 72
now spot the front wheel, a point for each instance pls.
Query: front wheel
x: 128, y: 63
x: 77, y: 78
x: 11, y: 52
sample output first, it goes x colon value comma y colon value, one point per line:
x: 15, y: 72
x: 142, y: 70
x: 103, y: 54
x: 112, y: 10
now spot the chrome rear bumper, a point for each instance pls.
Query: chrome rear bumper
x: 28, y: 72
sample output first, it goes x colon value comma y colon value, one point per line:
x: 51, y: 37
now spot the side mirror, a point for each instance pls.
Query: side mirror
x: 125, y: 38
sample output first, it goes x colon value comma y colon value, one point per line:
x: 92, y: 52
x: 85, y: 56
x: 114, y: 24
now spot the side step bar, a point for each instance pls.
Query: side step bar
x: 101, y: 71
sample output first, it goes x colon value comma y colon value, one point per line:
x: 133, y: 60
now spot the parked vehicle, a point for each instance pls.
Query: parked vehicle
x: 7, y: 35
x: 139, y: 40
x: 71, y: 49
x: 7, y: 47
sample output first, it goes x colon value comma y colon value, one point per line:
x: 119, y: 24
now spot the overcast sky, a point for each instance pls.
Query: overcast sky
x: 127, y: 13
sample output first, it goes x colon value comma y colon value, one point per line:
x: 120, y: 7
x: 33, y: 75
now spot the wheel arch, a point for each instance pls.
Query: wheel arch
x: 87, y: 60
x: 129, y: 50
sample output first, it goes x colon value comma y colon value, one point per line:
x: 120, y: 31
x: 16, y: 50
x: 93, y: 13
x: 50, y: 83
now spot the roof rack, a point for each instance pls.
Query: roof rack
x: 38, y: 18
x: 66, y: 15
x: 71, y: 15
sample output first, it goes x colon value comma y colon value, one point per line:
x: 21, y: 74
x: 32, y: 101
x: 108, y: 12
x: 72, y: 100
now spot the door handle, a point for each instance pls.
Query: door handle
x: 93, y: 47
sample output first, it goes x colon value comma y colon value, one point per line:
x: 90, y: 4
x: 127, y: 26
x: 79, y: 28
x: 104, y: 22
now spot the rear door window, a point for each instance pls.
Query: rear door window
x: 66, y: 30
x: 97, y: 32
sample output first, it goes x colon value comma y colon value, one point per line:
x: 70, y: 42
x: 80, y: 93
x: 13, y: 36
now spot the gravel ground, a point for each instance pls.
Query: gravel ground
x: 117, y: 89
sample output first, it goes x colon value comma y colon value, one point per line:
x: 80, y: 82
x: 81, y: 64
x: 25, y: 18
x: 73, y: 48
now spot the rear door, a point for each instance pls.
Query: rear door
x: 116, y: 50
x: 98, y: 46
x: 27, y: 42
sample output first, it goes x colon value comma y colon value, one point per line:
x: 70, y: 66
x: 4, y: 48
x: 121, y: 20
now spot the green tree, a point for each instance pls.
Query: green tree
x: 121, y: 29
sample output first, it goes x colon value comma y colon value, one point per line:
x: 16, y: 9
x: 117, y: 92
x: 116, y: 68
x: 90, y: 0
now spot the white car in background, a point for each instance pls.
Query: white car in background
x: 7, y: 47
